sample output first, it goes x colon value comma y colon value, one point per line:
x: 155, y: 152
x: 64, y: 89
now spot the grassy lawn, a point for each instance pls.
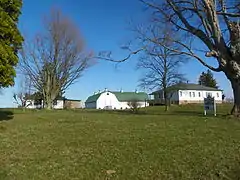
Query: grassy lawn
x: 63, y: 145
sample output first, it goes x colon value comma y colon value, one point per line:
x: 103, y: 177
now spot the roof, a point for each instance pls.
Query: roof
x: 38, y: 96
x: 128, y: 96
x: 77, y: 100
x: 121, y: 96
x: 190, y: 86
x: 93, y: 98
x: 60, y: 98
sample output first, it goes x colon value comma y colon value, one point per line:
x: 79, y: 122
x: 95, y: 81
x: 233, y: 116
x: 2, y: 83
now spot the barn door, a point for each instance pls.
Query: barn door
x: 108, y: 102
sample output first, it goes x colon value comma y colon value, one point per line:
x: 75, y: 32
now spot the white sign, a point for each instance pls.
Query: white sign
x: 209, y: 105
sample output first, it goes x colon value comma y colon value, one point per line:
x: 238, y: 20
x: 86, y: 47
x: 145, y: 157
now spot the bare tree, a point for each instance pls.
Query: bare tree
x: 56, y: 58
x: 20, y: 99
x: 210, y: 26
x: 134, y: 105
x: 161, y: 64
x: 24, y: 89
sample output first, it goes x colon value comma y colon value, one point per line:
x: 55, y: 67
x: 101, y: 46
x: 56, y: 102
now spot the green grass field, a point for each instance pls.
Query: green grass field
x: 181, y: 144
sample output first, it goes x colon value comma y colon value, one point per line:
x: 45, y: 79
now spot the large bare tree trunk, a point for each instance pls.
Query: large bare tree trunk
x: 48, y: 104
x: 166, y: 100
x: 232, y: 72
x: 236, y: 93
x: 166, y: 105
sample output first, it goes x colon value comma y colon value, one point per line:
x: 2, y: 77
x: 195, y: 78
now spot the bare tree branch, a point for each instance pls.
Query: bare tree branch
x: 229, y: 14
x: 106, y: 55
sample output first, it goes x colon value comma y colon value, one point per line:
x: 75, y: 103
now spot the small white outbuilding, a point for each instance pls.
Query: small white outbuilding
x: 116, y: 100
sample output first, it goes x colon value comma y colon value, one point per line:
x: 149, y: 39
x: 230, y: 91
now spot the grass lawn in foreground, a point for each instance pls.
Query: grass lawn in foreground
x: 89, y: 144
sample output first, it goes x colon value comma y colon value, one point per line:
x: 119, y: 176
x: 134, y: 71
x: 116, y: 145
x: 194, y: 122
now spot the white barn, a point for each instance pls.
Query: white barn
x: 186, y: 93
x: 116, y: 100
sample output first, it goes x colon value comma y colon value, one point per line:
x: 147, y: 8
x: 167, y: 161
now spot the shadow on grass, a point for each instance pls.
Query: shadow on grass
x: 6, y: 115
x: 180, y: 113
x: 234, y: 172
x: 160, y: 113
x: 185, y: 111
x: 189, y: 113
x: 127, y: 112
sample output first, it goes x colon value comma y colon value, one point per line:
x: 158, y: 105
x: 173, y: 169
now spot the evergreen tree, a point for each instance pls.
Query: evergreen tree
x: 207, y: 79
x: 10, y: 40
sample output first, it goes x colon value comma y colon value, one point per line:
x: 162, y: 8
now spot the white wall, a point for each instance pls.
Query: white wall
x: 124, y: 105
x: 184, y: 95
x: 108, y: 99
x: 59, y: 105
x: 30, y: 105
x: 82, y: 104
x: 140, y: 104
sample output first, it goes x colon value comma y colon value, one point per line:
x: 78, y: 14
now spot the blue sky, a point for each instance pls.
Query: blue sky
x: 104, y: 26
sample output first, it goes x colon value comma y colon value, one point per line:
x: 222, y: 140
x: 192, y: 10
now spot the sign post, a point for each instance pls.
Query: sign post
x: 210, y: 105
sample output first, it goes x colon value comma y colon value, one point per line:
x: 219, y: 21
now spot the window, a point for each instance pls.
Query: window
x: 217, y: 94
x: 208, y: 94
x: 193, y: 94
x: 180, y: 93
x: 55, y: 102
x: 107, y: 93
x: 37, y: 102
x: 190, y: 94
x: 199, y: 94
x: 160, y: 95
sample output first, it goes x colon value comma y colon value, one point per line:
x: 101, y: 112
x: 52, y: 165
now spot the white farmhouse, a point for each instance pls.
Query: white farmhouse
x: 186, y: 93
x: 38, y: 104
x: 116, y: 100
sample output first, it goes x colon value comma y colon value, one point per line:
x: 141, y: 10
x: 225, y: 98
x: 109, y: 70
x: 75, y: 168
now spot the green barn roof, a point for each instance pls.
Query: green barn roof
x: 93, y: 98
x: 186, y: 86
x: 128, y: 96
x: 121, y: 96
